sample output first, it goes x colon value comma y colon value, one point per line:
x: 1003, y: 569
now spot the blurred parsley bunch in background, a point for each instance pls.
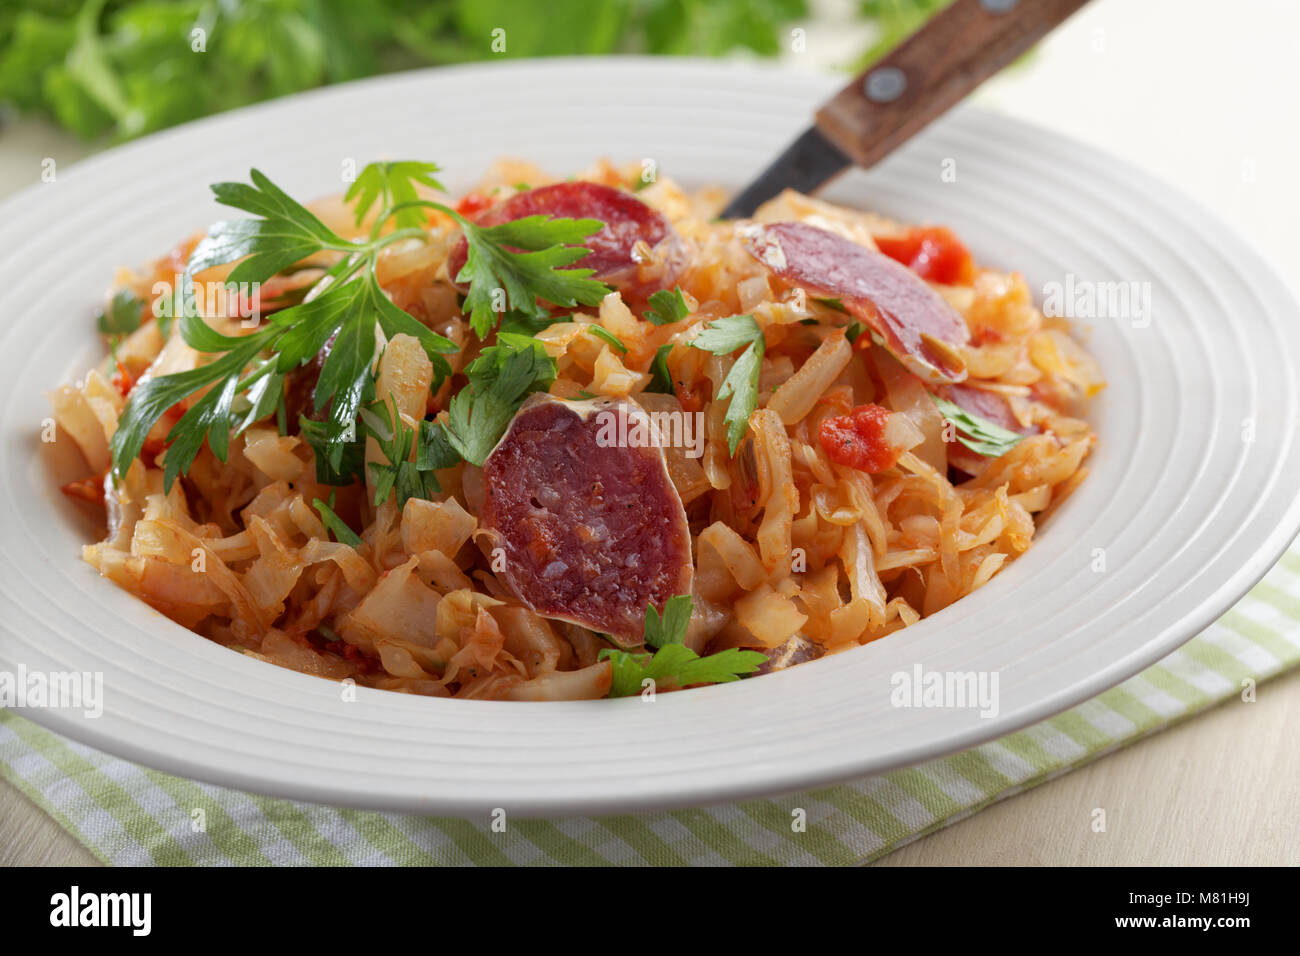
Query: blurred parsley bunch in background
x: 128, y: 67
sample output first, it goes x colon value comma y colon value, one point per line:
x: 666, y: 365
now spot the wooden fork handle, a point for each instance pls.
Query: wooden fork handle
x: 958, y: 49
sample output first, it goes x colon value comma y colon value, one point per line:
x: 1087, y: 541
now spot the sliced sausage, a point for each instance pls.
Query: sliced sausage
x: 915, y: 323
x: 588, y: 523
x: 638, y: 251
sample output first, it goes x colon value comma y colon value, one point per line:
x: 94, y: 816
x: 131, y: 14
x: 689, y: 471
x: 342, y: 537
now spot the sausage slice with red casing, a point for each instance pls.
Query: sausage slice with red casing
x: 915, y: 323
x: 638, y: 251
x: 589, y: 524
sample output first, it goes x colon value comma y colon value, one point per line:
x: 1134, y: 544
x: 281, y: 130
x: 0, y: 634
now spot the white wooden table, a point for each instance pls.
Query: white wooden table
x: 1206, y: 95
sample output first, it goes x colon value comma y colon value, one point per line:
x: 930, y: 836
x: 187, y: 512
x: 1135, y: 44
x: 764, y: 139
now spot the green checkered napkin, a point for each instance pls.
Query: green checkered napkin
x: 128, y: 814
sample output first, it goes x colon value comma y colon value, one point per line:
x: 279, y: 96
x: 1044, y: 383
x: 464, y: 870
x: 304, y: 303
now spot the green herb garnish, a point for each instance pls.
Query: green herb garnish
x: 501, y: 278
x: 671, y: 627
x: 121, y: 316
x: 344, y: 462
x: 519, y: 324
x: 395, y: 184
x: 398, y: 473
x: 666, y: 307
x: 978, y: 434
x: 245, y: 381
x: 674, y: 664
x: 349, y: 306
x: 607, y: 336
x: 499, y: 381
x: 661, y: 380
x: 433, y: 450
x: 721, y: 337
x: 335, y: 524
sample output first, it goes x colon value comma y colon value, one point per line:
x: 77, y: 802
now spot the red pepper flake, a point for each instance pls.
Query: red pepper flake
x: 857, y: 440
x: 932, y: 252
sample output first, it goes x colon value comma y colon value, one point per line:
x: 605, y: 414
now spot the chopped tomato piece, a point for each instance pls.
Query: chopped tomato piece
x: 690, y: 398
x: 122, y: 380
x: 857, y: 440
x: 932, y: 252
x: 86, y: 489
x: 471, y: 204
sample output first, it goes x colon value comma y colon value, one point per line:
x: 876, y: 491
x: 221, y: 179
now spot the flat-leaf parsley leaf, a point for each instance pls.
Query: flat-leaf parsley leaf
x: 721, y: 337
x: 978, y: 434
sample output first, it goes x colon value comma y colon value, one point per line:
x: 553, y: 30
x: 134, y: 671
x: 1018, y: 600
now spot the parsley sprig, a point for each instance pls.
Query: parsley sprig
x: 666, y: 307
x: 245, y: 381
x: 121, y: 316
x: 528, y: 278
x: 674, y: 664
x: 500, y: 379
x: 394, y: 183
x: 670, y: 627
x: 398, y: 472
x: 511, y: 268
x: 721, y: 337
x: 978, y: 434
x: 346, y: 306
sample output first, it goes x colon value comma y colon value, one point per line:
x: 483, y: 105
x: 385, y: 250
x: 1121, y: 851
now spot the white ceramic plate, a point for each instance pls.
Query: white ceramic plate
x: 1186, y: 511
